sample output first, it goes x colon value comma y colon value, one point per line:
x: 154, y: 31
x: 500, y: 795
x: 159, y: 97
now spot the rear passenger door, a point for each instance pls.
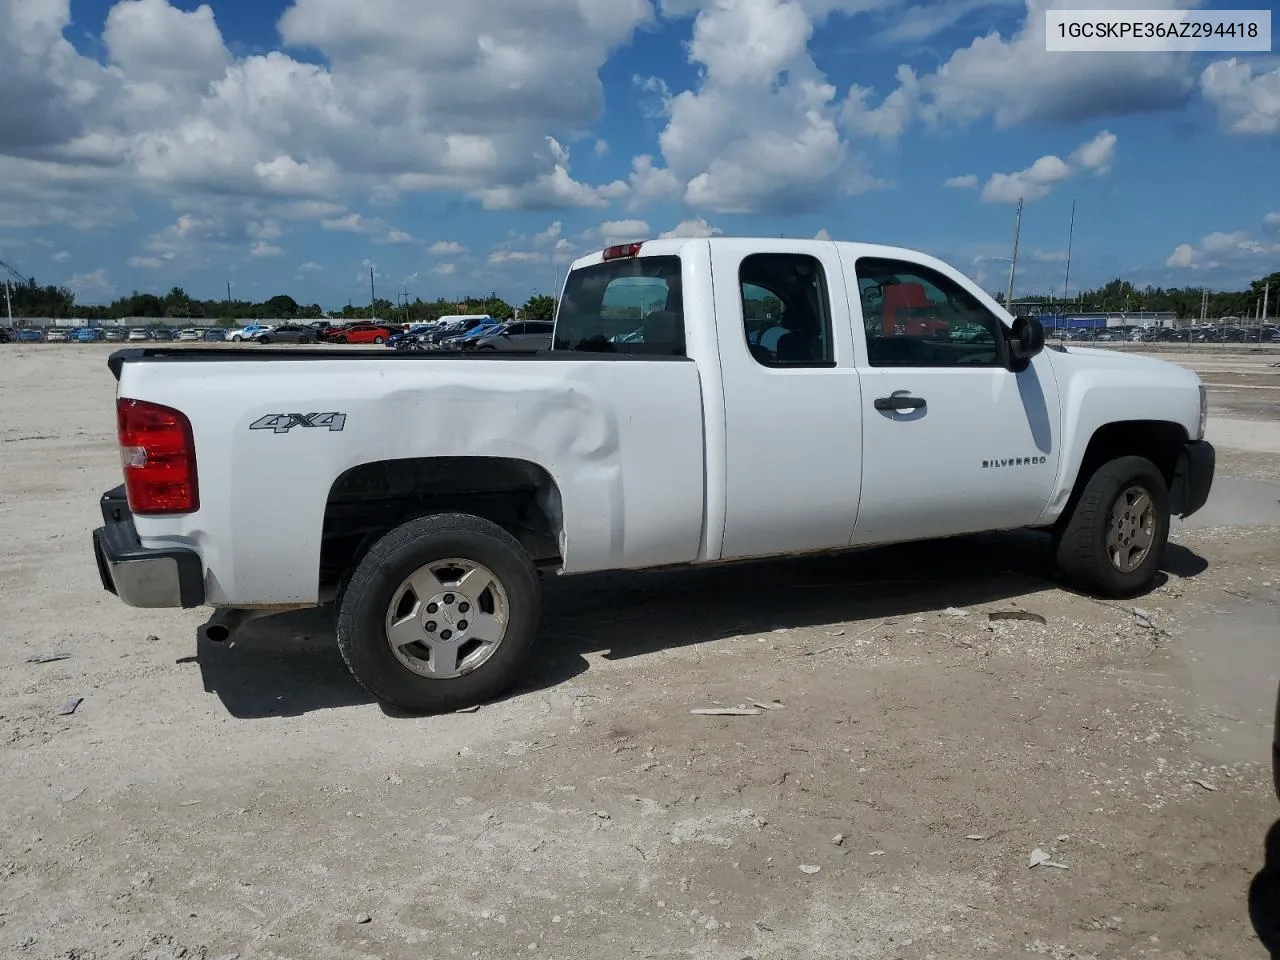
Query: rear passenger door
x: 793, y: 433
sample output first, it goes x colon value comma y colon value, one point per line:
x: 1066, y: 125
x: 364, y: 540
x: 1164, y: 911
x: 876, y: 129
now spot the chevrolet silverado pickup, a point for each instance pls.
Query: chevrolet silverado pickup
x: 702, y: 401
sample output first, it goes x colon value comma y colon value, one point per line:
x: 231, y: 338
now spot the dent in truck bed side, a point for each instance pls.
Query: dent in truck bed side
x: 623, y: 442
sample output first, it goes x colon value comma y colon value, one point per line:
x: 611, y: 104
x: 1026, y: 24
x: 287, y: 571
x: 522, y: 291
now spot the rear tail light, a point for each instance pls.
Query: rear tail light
x: 622, y: 251
x: 158, y: 453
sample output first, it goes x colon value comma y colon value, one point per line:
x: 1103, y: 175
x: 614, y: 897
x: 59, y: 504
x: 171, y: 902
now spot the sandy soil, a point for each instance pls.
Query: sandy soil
x: 250, y: 801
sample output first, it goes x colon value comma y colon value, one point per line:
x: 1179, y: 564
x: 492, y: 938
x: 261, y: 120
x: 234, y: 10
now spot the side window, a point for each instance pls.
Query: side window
x: 515, y: 328
x: 786, y: 311
x: 916, y: 317
x: 633, y: 306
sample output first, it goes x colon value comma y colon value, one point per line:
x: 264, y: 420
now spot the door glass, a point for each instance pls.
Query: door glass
x: 623, y: 306
x: 786, y: 313
x: 916, y: 317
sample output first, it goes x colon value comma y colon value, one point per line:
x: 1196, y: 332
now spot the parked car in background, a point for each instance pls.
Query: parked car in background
x: 114, y: 334
x: 189, y: 335
x: 161, y: 335
x: 137, y: 334
x: 29, y: 336
x: 86, y: 335
x: 215, y: 335
x: 448, y: 339
x: 6, y: 335
x: 57, y: 336
x: 248, y: 332
x: 530, y: 335
x: 416, y: 330
x: 288, y: 333
x: 365, y: 333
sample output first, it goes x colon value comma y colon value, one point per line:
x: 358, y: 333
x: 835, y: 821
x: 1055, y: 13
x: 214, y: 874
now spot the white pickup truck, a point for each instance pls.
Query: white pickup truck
x: 703, y: 401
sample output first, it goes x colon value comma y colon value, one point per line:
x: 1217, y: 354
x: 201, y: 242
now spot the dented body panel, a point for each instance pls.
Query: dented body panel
x: 622, y: 441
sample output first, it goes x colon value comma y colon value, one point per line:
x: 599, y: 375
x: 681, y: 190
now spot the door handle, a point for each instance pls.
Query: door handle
x: 900, y: 401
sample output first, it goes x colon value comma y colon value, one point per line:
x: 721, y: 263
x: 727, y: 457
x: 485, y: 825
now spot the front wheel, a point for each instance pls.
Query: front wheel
x: 1112, y: 543
x: 379, y: 340
x: 237, y: 338
x: 440, y: 614
x: 264, y: 340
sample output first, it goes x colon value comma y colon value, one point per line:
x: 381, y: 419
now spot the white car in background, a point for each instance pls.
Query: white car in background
x: 190, y: 335
x: 250, y: 331
x: 137, y: 334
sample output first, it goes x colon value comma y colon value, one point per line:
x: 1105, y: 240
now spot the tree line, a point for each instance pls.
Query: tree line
x: 33, y: 300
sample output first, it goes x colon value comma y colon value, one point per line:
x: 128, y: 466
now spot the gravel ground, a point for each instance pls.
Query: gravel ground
x: 910, y: 756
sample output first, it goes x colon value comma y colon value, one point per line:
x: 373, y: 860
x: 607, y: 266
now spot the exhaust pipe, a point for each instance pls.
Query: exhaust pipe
x: 227, y: 620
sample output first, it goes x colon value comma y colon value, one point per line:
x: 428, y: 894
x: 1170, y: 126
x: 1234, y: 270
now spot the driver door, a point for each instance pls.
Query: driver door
x: 953, y: 441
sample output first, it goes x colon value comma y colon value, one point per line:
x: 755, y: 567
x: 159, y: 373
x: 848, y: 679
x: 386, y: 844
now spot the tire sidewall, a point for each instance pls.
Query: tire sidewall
x: 1106, y: 486
x: 363, y: 608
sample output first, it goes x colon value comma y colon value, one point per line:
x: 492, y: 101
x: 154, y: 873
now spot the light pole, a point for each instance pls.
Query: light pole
x: 1013, y: 260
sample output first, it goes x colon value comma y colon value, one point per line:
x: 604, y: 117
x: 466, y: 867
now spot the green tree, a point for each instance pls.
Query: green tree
x: 280, y: 306
x: 539, y: 308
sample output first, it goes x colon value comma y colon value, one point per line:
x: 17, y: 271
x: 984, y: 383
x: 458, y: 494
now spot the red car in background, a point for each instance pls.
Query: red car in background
x: 362, y: 333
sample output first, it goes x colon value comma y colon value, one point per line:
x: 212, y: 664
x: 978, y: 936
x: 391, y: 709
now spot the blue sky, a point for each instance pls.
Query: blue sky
x: 286, y: 146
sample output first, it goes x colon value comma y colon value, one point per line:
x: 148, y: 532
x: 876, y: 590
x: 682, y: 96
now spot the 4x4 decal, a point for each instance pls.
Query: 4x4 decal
x: 284, y: 422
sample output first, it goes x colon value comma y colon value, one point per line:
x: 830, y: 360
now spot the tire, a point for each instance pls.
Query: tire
x: 236, y: 339
x: 383, y: 578
x: 340, y: 340
x: 379, y: 340
x: 486, y: 346
x: 1083, y: 555
x: 264, y: 340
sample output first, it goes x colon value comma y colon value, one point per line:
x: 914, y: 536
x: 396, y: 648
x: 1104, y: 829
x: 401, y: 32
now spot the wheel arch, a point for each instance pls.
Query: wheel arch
x: 1160, y: 441
x: 370, y: 499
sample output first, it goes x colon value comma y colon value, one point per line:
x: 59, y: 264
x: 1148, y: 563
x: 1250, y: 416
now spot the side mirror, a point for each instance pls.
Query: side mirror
x: 1026, y: 341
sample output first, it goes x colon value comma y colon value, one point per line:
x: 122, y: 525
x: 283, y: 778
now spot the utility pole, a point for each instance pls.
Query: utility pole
x: 1013, y: 261
x: 1071, y: 236
x: 228, y: 299
x: 373, y: 297
x: 1266, y: 296
x: 8, y: 301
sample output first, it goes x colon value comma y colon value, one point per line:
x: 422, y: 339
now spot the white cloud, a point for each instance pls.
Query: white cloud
x: 376, y: 228
x: 622, y: 231
x: 1038, y: 180
x: 1098, y: 154
x: 823, y: 234
x: 602, y: 147
x: 311, y: 267
x: 391, y: 102
x: 650, y: 184
x: 760, y: 133
x: 1271, y: 221
x: 1237, y: 249
x: 966, y: 182
x: 147, y: 263
x: 262, y: 249
x: 445, y: 269
x: 498, y: 257
x: 62, y: 256
x: 1012, y: 81
x: 1247, y: 102
x: 446, y: 248
x: 691, y: 230
x: 95, y: 287
x: 264, y: 230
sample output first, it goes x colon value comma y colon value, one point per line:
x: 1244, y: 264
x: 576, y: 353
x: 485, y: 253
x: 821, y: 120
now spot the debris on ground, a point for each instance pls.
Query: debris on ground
x: 955, y: 612
x: 809, y: 868
x: 363, y: 918
x: 977, y: 836
x: 727, y: 712
x: 1039, y: 858
x: 48, y: 657
x: 838, y: 839
x: 69, y: 706
x: 1018, y: 615
x: 471, y: 709
x: 1207, y: 786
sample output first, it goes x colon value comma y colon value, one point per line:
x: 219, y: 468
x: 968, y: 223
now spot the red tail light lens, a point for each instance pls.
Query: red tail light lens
x: 622, y: 251
x: 158, y: 453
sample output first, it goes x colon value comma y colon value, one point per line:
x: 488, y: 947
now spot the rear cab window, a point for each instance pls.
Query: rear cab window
x: 628, y: 306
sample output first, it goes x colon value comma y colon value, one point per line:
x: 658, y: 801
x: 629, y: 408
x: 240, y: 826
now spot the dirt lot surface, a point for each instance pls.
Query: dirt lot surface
x: 911, y: 756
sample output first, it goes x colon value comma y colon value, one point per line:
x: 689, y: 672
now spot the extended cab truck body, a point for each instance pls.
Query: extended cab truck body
x: 703, y: 401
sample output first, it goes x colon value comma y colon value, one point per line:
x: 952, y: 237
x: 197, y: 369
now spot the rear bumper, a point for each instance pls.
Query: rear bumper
x: 142, y: 577
x: 1193, y: 479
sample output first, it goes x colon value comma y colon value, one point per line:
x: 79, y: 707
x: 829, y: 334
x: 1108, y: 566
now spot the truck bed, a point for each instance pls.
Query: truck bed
x: 176, y: 354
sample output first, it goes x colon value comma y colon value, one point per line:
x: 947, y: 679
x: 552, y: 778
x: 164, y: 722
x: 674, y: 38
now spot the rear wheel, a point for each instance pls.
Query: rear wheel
x: 237, y: 338
x: 1113, y: 541
x: 264, y: 340
x: 379, y: 340
x: 440, y: 614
